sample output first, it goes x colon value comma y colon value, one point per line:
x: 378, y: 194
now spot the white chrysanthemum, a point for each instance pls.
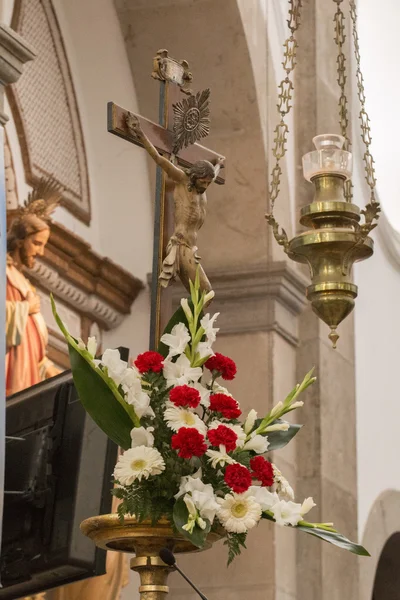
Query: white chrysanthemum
x: 115, y: 366
x: 204, y: 394
x: 138, y: 463
x: 177, y: 417
x: 238, y: 512
x: 180, y: 372
x: 177, y: 340
x: 241, y: 436
x: 219, y: 458
x: 207, y: 323
x: 142, y: 437
x: 257, y: 443
x: 265, y: 498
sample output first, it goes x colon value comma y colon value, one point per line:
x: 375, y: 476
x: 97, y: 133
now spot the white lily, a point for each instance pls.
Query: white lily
x: 204, y: 393
x: 207, y: 323
x: 287, y: 513
x: 180, y: 372
x: 204, y: 349
x: 257, y: 443
x: 219, y: 458
x: 115, y: 366
x: 193, y: 517
x: 264, y: 497
x: 177, y: 340
x: 142, y: 436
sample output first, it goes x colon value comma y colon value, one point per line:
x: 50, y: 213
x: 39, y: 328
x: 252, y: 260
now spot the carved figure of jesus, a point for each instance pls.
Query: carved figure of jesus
x: 190, y: 204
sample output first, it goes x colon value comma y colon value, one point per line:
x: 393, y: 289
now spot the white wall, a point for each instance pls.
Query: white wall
x: 377, y: 309
x: 121, y: 226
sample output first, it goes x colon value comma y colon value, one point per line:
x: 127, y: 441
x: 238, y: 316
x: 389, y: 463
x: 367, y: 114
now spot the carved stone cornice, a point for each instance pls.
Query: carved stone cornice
x: 14, y: 53
x: 258, y: 299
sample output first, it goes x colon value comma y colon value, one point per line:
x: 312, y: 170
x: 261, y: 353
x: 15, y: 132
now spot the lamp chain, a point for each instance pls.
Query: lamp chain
x: 284, y: 106
x: 340, y: 38
x: 372, y: 209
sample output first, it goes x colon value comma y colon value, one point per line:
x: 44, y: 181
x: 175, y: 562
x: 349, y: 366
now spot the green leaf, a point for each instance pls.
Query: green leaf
x: 332, y: 537
x: 279, y: 439
x: 335, y: 538
x: 98, y: 393
x: 181, y: 515
x: 99, y: 401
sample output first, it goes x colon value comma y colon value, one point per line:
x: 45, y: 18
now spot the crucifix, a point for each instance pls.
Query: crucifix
x: 185, y: 169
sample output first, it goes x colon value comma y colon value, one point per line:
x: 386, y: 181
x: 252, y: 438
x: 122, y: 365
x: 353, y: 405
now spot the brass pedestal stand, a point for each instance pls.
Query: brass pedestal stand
x: 145, y: 540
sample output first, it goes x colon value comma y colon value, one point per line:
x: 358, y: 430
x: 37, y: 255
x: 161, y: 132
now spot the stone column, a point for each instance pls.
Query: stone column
x: 326, y: 447
x: 14, y: 53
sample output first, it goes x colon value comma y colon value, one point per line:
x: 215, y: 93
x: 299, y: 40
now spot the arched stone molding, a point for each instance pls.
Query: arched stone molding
x: 382, y: 523
x: 45, y: 110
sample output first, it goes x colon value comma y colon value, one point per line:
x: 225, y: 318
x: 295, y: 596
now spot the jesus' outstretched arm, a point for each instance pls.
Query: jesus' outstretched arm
x: 175, y: 173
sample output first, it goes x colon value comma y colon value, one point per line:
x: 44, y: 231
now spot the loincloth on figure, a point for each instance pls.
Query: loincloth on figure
x: 171, y: 264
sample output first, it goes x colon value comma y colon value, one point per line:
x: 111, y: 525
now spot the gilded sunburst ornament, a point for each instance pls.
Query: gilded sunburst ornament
x: 191, y: 120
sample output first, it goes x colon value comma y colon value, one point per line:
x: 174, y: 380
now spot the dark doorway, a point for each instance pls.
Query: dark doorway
x: 387, y: 578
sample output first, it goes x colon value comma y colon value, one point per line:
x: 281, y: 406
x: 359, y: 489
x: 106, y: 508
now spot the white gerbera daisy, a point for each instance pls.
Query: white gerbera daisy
x: 238, y: 512
x: 137, y: 463
x: 177, y: 417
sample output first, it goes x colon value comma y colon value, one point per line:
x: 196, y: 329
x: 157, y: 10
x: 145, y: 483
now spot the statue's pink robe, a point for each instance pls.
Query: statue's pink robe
x: 26, y: 336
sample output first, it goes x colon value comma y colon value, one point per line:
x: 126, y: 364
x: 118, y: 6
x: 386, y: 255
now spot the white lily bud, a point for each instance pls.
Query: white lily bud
x: 186, y: 309
x: 297, y: 404
x: 307, y: 505
x: 251, y: 419
x: 92, y: 346
x: 277, y: 427
x: 277, y: 409
x: 209, y: 296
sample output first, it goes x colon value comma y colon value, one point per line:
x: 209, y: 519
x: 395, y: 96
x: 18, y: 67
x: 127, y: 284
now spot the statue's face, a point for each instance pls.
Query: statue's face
x: 33, y: 246
x: 202, y: 184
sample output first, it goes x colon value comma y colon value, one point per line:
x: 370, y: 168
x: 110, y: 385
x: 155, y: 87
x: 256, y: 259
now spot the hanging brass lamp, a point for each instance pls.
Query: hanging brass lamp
x: 335, y: 239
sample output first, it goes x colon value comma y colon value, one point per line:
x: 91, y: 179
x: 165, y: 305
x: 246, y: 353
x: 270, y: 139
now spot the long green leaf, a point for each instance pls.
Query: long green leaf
x: 332, y: 537
x: 99, y: 397
x: 336, y: 539
x: 279, y: 439
x: 180, y: 515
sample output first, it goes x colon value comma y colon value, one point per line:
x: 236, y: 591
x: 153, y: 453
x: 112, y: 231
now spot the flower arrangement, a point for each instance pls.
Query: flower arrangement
x: 188, y: 456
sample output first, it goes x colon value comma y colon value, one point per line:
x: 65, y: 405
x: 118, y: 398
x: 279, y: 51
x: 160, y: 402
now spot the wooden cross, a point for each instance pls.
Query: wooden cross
x: 174, y: 79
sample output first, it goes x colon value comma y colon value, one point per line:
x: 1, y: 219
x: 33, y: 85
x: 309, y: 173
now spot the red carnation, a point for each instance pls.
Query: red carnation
x: 262, y: 470
x: 226, y: 405
x: 222, y: 365
x: 189, y: 442
x: 223, y: 436
x: 183, y: 395
x: 238, y: 478
x: 149, y: 361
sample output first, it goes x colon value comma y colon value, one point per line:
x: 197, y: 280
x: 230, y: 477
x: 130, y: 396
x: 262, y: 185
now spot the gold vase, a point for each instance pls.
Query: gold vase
x: 145, y: 541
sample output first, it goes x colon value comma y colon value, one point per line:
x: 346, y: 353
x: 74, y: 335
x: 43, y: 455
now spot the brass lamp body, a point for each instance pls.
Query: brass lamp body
x: 330, y: 247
